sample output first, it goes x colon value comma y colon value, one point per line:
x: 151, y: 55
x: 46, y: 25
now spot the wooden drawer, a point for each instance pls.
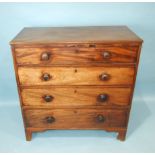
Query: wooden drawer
x: 76, y: 96
x: 58, y: 56
x: 75, y: 118
x: 75, y: 76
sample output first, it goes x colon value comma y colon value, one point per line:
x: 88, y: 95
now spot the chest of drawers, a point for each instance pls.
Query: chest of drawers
x: 76, y: 77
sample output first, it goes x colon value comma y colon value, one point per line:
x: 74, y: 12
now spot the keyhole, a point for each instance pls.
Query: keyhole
x: 75, y: 70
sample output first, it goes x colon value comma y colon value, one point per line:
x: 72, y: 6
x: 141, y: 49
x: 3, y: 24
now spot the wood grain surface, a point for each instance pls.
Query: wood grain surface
x: 75, y: 96
x: 75, y: 118
x: 75, y: 76
x: 48, y: 35
x: 59, y: 56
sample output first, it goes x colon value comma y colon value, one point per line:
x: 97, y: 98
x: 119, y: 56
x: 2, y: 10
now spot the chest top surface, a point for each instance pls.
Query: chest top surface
x: 89, y: 34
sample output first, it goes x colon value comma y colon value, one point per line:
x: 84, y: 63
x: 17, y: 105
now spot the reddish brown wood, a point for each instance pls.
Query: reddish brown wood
x: 28, y: 134
x: 121, y: 135
x: 70, y: 56
x: 75, y: 96
x: 91, y: 34
x: 76, y: 69
x: 75, y: 118
x: 75, y: 76
x: 18, y: 87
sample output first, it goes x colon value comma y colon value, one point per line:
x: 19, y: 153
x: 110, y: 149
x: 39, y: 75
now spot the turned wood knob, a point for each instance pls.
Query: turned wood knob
x: 92, y: 45
x: 48, y: 98
x: 46, y: 77
x: 50, y: 119
x: 100, y: 118
x: 45, y: 56
x: 106, y: 55
x: 104, y: 77
x: 102, y: 97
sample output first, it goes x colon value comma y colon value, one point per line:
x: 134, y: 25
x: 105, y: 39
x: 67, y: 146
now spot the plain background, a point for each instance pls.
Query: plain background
x: 139, y: 17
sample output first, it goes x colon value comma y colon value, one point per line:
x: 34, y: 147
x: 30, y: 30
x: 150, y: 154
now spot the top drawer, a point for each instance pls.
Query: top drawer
x: 75, y: 55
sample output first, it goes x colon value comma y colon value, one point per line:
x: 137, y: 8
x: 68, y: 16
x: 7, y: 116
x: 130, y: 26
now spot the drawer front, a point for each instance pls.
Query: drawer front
x: 76, y: 96
x: 75, y: 118
x: 29, y: 56
x: 75, y: 76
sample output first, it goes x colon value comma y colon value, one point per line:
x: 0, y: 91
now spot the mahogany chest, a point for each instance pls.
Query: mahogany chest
x: 76, y: 77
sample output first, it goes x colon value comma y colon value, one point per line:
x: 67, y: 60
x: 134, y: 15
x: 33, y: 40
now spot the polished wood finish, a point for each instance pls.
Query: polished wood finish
x: 121, y: 135
x: 76, y: 77
x: 71, y: 56
x: 89, y: 34
x: 28, y: 134
x: 75, y: 118
x: 75, y: 96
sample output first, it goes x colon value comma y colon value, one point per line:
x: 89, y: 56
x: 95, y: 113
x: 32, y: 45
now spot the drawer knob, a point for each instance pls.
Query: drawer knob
x: 50, y: 119
x: 106, y: 55
x: 104, y: 77
x: 46, y: 77
x: 48, y: 98
x: 102, y: 97
x: 92, y: 45
x: 100, y: 118
x: 45, y: 56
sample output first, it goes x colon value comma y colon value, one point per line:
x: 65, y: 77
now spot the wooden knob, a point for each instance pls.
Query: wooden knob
x: 92, y: 45
x: 100, y: 118
x: 48, y: 98
x: 45, y: 56
x: 102, y: 97
x: 50, y: 119
x: 46, y: 77
x: 106, y: 55
x: 104, y: 77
